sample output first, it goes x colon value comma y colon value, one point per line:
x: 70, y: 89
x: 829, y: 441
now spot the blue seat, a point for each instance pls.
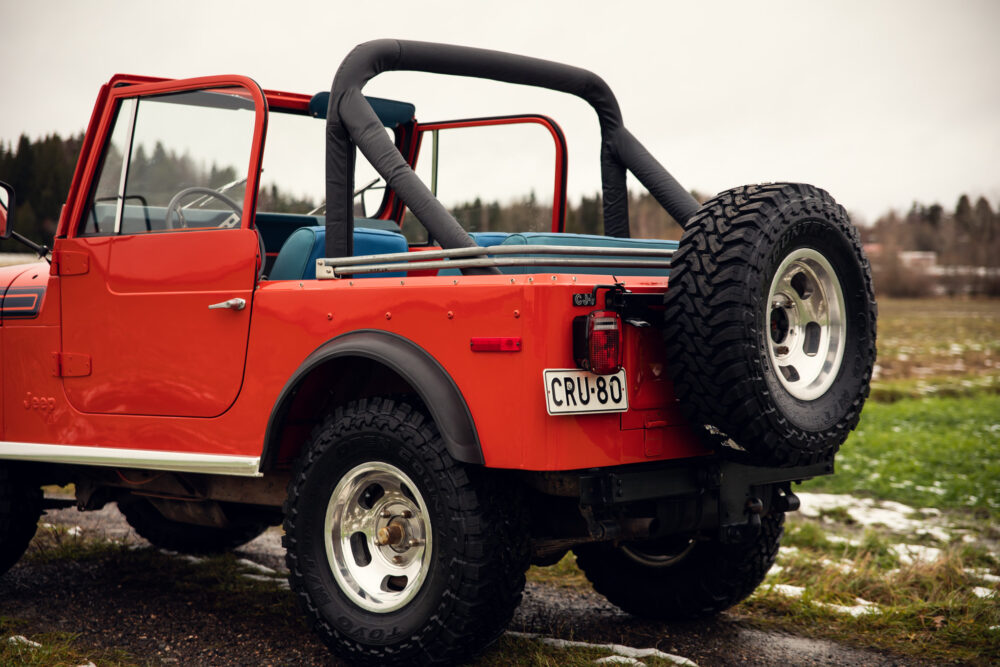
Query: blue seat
x: 297, y: 259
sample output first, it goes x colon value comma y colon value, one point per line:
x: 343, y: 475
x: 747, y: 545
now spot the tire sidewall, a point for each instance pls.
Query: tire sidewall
x: 332, y: 603
x: 829, y: 239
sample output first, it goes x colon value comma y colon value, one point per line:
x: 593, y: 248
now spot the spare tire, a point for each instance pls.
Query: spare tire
x: 770, y: 324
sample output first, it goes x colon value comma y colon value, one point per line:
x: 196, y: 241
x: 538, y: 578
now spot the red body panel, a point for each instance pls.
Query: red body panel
x: 146, y: 365
x: 141, y: 314
x: 290, y: 319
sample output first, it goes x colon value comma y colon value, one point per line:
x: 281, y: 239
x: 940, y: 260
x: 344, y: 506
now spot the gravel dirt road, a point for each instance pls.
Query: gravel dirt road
x: 114, y: 602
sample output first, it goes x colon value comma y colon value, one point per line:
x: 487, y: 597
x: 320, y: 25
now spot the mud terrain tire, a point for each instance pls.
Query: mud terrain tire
x: 185, y: 538
x: 681, y: 582
x: 770, y: 324
x: 20, y: 508
x: 378, y: 462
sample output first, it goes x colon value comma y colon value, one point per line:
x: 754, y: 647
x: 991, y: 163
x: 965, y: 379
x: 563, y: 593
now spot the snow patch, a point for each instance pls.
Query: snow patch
x: 869, y: 512
x: 859, y: 608
x: 22, y: 641
x: 280, y: 583
x: 843, y: 566
x: 188, y: 557
x: 263, y: 569
x: 616, y: 649
x: 982, y: 592
x: 788, y: 590
x: 983, y: 574
x: 619, y: 660
x: 911, y: 553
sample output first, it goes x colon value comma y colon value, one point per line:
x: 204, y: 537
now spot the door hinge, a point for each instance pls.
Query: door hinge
x: 70, y: 365
x: 67, y: 263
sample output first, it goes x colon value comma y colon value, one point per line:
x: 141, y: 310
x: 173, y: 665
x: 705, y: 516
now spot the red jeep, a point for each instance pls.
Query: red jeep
x: 425, y: 410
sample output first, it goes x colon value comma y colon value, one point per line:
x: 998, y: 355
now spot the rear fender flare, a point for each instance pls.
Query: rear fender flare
x: 429, y: 380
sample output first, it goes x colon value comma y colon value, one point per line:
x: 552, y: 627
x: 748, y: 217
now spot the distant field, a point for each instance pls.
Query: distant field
x: 11, y: 258
x: 925, y: 338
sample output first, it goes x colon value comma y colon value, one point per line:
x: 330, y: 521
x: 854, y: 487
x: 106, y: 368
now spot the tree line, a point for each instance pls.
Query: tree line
x: 966, y: 243
x: 967, y: 236
x: 40, y: 172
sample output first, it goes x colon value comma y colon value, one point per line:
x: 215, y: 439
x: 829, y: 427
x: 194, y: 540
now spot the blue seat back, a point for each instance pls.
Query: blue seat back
x: 297, y: 259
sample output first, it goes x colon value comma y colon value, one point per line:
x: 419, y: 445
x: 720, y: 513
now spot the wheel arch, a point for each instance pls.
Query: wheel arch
x: 382, y: 363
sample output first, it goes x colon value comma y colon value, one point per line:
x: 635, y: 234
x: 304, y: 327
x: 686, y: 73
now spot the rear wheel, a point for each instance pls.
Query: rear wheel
x: 398, y: 553
x: 186, y: 538
x: 20, y: 508
x: 681, y: 579
x: 770, y: 316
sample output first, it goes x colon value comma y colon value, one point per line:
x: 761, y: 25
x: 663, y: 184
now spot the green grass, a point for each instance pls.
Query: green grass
x: 56, y: 543
x: 932, y: 452
x: 514, y: 650
x: 58, y: 649
x: 564, y: 574
x: 925, y: 609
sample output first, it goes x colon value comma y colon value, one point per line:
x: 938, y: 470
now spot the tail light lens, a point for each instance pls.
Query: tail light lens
x: 597, y: 342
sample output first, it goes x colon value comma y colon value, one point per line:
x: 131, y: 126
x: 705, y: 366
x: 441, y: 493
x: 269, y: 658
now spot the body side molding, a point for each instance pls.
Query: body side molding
x: 144, y: 459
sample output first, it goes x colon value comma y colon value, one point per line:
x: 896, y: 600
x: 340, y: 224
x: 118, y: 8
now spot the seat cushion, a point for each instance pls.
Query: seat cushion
x: 297, y: 259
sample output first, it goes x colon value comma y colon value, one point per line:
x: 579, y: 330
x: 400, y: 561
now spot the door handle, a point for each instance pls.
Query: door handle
x: 232, y: 304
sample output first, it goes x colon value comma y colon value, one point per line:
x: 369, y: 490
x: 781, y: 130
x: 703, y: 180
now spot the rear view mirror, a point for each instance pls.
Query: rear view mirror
x: 6, y: 210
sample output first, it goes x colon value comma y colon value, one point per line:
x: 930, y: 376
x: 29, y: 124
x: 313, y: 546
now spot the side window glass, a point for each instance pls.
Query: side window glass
x: 104, y: 203
x: 186, y: 157
x: 492, y: 178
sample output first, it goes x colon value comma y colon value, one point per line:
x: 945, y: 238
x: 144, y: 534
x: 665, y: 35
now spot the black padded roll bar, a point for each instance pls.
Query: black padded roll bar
x: 352, y: 122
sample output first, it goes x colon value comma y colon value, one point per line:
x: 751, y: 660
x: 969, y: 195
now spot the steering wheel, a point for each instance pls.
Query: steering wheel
x: 175, y: 203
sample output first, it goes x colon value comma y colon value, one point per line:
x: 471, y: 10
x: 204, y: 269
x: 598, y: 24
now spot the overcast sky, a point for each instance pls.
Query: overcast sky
x: 881, y: 103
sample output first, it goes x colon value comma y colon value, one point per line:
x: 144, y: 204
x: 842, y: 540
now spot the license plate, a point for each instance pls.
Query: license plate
x: 570, y: 391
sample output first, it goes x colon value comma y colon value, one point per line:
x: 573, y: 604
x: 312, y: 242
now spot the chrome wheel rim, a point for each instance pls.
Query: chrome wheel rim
x: 806, y: 324
x: 378, y: 536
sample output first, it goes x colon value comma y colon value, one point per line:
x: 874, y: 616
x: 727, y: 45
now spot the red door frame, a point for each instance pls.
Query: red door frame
x: 561, y: 166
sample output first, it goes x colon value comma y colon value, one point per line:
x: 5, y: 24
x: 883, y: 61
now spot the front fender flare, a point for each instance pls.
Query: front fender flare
x: 411, y: 362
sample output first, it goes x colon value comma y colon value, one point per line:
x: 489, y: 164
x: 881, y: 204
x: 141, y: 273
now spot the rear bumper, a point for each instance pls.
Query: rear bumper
x: 705, y: 495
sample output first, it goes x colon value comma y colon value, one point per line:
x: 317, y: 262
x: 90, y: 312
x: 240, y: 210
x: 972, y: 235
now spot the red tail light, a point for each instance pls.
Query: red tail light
x: 597, y: 342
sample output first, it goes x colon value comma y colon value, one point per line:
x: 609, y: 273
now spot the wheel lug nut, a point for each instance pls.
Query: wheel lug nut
x: 397, y: 559
x: 407, y: 514
x: 414, y: 542
x: 385, y: 514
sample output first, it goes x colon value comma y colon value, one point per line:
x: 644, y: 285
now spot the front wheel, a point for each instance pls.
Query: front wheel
x: 681, y: 580
x: 398, y: 553
x: 20, y: 508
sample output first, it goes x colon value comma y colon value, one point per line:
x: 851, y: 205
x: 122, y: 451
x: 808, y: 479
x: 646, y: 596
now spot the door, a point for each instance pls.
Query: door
x: 158, y: 274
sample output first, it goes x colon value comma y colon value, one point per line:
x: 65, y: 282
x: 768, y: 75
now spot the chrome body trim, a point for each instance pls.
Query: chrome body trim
x: 457, y: 258
x: 143, y: 459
